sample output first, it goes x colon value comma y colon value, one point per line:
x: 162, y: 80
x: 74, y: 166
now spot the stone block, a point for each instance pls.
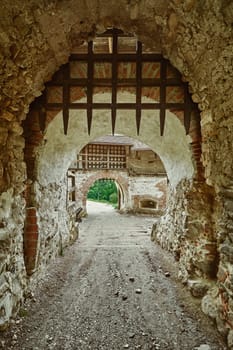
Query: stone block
x: 230, y: 339
x: 7, y: 116
x: 6, y: 200
x: 227, y: 250
x: 6, y: 305
x: 198, y: 288
x: 209, y: 306
x: 4, y: 286
x: 4, y: 234
x: 229, y: 205
x: 222, y: 272
x: 222, y: 326
x: 3, y: 135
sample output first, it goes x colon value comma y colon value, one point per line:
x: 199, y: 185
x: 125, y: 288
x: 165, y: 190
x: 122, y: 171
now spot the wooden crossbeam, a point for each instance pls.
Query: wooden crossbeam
x: 90, y: 74
x: 163, y: 73
x: 138, y: 86
x: 114, y: 79
x: 66, y: 98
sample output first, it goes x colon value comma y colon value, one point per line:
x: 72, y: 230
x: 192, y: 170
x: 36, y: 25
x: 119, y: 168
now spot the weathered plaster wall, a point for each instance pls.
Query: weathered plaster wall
x: 36, y: 37
x: 148, y: 188
x: 144, y: 162
x: 56, y: 154
x: 133, y: 188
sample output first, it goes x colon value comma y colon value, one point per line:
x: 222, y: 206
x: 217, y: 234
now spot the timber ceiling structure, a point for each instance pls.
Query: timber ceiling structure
x: 111, y: 63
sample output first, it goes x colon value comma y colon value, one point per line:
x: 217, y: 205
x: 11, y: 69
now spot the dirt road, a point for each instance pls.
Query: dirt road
x: 114, y: 289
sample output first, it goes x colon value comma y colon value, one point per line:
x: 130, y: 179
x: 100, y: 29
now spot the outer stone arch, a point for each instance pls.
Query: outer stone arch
x: 58, y: 150
x: 48, y: 31
x: 120, y: 179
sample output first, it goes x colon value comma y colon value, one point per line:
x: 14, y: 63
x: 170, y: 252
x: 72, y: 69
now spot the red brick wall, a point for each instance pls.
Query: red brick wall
x: 30, y: 240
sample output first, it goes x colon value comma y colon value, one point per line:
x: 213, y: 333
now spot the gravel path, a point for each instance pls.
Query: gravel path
x: 114, y: 289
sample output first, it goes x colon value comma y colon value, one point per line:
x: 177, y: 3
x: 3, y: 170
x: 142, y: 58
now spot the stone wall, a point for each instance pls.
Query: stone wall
x: 12, y: 270
x: 213, y: 74
x: 53, y: 221
x: 36, y: 38
x: 187, y: 230
x: 50, y: 225
x: 144, y: 189
x: 133, y: 189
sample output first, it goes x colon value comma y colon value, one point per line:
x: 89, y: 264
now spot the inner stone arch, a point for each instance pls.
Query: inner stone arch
x: 58, y: 151
x: 120, y: 181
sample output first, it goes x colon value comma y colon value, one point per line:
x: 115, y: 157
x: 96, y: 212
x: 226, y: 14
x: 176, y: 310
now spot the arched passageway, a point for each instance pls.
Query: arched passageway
x: 138, y: 171
x: 121, y: 182
x: 198, y: 221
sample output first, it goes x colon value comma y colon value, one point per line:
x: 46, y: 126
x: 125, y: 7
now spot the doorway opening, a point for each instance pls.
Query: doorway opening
x: 132, y: 92
x: 104, y: 191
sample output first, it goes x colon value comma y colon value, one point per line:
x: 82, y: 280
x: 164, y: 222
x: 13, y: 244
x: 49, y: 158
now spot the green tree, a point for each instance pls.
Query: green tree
x: 103, y: 190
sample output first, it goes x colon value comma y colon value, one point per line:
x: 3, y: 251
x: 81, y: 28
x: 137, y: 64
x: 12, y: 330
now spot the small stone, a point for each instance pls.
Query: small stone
x: 132, y: 279
x: 167, y: 274
x: 131, y: 335
x: 126, y: 346
x: 203, y: 347
x: 124, y: 297
x: 138, y: 291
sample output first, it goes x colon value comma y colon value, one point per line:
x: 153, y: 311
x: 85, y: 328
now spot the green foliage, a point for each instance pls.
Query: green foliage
x: 103, y: 190
x: 113, y: 198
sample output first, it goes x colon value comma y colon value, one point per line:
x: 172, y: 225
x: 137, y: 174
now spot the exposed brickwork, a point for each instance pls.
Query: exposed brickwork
x: 30, y: 240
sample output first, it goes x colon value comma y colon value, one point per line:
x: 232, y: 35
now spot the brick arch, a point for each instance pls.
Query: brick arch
x: 120, y: 180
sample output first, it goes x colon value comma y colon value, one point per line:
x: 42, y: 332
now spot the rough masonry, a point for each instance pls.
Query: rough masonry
x: 36, y: 38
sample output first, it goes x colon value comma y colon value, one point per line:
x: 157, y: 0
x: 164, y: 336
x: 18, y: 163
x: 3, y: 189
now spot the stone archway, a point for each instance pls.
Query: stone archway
x: 120, y: 179
x: 49, y: 32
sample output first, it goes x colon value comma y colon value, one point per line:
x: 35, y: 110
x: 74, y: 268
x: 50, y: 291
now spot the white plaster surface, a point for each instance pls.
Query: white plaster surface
x: 6, y: 200
x: 59, y: 150
x: 145, y: 185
